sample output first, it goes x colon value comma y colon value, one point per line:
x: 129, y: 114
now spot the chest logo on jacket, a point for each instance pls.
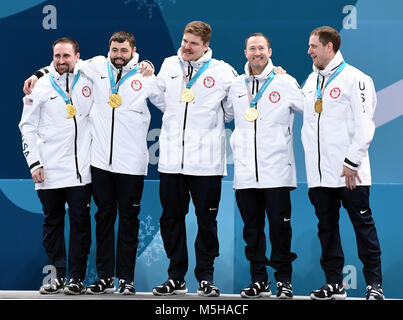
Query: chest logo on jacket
x: 136, y: 85
x: 209, y: 82
x: 274, y: 96
x: 335, y: 93
x: 86, y: 91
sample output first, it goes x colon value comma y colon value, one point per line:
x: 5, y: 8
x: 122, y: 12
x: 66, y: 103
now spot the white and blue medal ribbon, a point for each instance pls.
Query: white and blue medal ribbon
x: 252, y: 113
x: 318, y: 102
x: 188, y: 94
x: 115, y: 100
x: 71, y: 110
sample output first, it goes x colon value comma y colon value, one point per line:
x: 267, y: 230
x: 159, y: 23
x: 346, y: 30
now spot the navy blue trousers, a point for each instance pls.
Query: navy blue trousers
x: 327, y: 202
x: 54, y: 210
x: 175, y: 193
x: 115, y: 192
x: 253, y: 205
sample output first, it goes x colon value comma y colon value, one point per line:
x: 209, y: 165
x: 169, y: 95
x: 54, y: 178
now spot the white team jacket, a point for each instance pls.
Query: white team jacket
x: 342, y: 133
x: 192, y: 139
x: 120, y: 134
x: 263, y: 149
x: 52, y: 140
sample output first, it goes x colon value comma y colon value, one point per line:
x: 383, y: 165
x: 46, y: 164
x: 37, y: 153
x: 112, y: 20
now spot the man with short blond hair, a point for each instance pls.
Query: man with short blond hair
x: 192, y: 155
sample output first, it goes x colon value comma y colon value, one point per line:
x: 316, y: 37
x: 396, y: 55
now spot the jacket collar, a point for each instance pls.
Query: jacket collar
x: 129, y: 66
x: 337, y: 59
x: 263, y: 75
x: 196, y: 64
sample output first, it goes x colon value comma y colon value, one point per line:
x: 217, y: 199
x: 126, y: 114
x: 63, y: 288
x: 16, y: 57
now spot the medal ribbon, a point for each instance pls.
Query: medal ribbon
x: 334, y: 75
x: 198, y: 73
x: 60, y: 90
x: 112, y: 78
x: 259, y: 94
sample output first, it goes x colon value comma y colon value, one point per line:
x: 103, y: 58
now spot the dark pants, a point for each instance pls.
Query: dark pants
x: 54, y: 210
x: 175, y: 192
x: 253, y: 205
x: 327, y: 202
x: 113, y: 192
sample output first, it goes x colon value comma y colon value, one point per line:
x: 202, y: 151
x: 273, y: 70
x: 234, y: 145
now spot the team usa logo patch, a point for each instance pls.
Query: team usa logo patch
x: 274, y: 97
x: 335, y: 93
x: 209, y: 82
x: 86, y: 91
x: 136, y: 85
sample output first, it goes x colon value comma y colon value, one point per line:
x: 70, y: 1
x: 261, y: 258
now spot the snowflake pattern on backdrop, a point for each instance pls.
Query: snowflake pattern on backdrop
x: 150, y: 249
x: 145, y: 230
x: 149, y: 5
x: 153, y: 251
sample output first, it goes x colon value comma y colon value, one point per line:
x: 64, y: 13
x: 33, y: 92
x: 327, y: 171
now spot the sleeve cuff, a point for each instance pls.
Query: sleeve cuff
x: 150, y: 63
x: 34, y: 166
x: 41, y: 72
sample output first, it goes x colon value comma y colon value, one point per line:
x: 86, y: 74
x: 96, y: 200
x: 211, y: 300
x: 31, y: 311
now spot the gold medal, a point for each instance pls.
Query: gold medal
x: 187, y: 95
x: 115, y: 100
x: 318, y: 105
x: 251, y: 114
x: 71, y: 110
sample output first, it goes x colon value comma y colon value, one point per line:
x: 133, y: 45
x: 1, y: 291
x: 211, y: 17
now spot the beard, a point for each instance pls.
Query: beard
x: 119, y: 62
x: 63, y: 68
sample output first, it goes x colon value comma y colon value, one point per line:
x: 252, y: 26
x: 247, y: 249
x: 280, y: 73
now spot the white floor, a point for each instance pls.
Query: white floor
x: 35, y: 295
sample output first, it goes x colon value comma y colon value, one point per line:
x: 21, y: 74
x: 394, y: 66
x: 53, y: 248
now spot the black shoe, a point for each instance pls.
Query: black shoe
x: 374, y: 292
x: 75, y: 286
x: 170, y: 287
x: 126, y: 287
x: 329, y: 292
x: 55, y: 286
x: 106, y: 285
x: 284, y: 290
x: 207, y: 289
x: 257, y: 290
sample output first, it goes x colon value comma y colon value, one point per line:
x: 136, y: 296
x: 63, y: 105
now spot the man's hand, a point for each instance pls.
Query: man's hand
x: 146, y: 69
x: 351, y: 177
x: 279, y: 70
x: 38, y: 176
x: 29, y: 84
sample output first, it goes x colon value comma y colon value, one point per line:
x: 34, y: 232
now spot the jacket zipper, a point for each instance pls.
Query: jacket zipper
x: 75, y: 133
x: 190, y: 72
x: 318, y: 127
x: 255, y: 138
x: 113, y: 120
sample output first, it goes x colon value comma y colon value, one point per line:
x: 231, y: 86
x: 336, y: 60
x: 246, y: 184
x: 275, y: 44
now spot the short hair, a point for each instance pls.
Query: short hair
x: 122, y: 36
x: 258, y: 34
x: 327, y: 34
x: 73, y: 42
x: 199, y: 28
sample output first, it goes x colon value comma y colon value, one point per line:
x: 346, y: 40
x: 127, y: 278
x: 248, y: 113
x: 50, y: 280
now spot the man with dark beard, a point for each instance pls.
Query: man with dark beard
x: 120, y: 115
